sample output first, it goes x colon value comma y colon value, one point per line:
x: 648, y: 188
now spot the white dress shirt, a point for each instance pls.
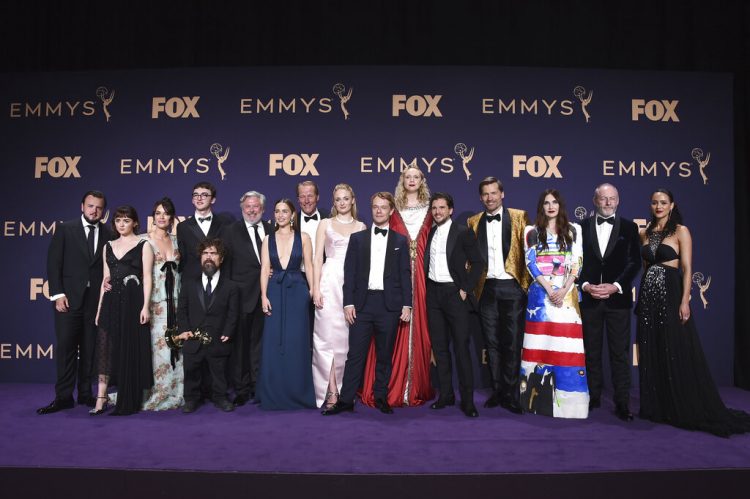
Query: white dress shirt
x: 214, y: 281
x: 311, y: 229
x: 603, y: 233
x: 206, y: 224
x: 261, y: 233
x: 438, y: 270
x: 377, y: 259
x: 495, y: 260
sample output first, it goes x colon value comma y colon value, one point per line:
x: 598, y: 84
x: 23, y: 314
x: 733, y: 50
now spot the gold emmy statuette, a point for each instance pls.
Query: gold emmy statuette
x: 175, y: 343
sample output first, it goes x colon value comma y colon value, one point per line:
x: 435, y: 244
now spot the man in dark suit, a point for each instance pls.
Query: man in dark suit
x: 377, y: 294
x: 501, y: 290
x: 209, y: 303
x: 74, y: 271
x: 611, y: 260
x: 449, y: 284
x: 192, y: 231
x: 244, y: 241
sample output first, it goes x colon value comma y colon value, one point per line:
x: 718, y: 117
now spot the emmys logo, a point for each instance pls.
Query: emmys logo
x: 655, y: 110
x: 580, y: 92
x: 221, y: 156
x: 703, y: 284
x: 375, y: 164
x: 38, y: 286
x: 293, y: 164
x: 340, y: 91
x: 581, y: 212
x: 106, y: 97
x: 424, y: 106
x: 30, y: 351
x: 537, y: 166
x: 466, y: 156
x: 697, y: 155
x: 57, y: 167
x: 613, y: 168
x: 175, y: 107
x: 18, y: 228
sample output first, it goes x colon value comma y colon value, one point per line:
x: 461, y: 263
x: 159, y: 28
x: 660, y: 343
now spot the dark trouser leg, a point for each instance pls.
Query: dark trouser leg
x: 69, y: 333
x: 488, y: 317
x: 192, y: 367
x: 243, y: 371
x: 87, y: 346
x: 592, y: 319
x: 385, y: 325
x: 256, y: 344
x: 438, y: 328
x: 618, y: 342
x: 457, y: 315
x: 217, y: 365
x: 360, y: 335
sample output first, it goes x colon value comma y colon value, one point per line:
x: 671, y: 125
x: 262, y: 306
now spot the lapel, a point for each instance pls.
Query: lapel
x: 102, y: 240
x: 612, y: 237
x: 482, y: 236
x: 506, y: 233
x: 428, y: 248
x: 247, y: 241
x: 594, y: 237
x: 213, y: 229
x: 451, y: 243
x: 214, y: 292
x: 199, y: 289
x: 192, y: 224
x: 389, y: 250
x: 79, y: 233
x: 366, y: 254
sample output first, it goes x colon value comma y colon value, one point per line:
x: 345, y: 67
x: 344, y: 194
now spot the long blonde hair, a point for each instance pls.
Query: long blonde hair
x: 348, y: 188
x: 423, y: 194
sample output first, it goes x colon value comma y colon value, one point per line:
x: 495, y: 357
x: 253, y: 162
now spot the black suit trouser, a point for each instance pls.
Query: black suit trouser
x: 372, y: 319
x: 244, y: 363
x: 616, y: 321
x: 502, y: 311
x: 75, y: 332
x: 193, y: 366
x: 448, y: 319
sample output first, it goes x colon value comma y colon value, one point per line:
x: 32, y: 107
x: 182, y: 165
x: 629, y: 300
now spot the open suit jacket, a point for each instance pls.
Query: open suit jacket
x: 396, y: 273
x: 189, y: 236
x: 218, y: 317
x: 242, y: 264
x: 514, y: 222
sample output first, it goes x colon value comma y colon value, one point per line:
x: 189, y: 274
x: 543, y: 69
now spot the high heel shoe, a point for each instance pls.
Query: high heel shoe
x: 330, y: 401
x: 97, y: 412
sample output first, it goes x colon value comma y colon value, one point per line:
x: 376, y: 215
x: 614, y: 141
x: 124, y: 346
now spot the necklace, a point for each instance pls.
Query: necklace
x: 344, y: 222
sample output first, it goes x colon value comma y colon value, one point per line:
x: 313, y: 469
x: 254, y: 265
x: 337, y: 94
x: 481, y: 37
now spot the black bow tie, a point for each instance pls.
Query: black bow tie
x: 204, y: 219
x: 378, y: 230
x: 494, y: 218
x: 311, y: 217
x: 601, y: 220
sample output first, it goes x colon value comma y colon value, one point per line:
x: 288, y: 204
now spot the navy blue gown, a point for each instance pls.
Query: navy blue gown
x: 285, y: 378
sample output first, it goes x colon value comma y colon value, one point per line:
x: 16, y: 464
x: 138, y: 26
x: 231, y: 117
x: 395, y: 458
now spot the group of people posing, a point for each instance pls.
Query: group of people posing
x: 315, y: 309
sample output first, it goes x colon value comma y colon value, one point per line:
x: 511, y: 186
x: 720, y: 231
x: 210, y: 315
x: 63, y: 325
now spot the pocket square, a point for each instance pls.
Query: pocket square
x: 396, y: 249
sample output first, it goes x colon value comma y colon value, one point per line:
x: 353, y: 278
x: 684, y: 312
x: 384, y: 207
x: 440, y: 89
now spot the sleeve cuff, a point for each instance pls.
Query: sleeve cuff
x: 619, y: 288
x: 54, y: 298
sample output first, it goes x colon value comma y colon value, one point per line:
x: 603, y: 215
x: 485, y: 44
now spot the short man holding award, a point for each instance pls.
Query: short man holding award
x: 208, y: 303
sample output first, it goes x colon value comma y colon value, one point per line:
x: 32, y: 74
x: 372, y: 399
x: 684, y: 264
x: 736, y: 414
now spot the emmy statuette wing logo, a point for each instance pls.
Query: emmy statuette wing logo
x: 702, y: 162
x: 703, y: 284
x: 341, y: 92
x: 106, y: 96
x: 466, y: 156
x: 580, y: 92
x: 221, y: 156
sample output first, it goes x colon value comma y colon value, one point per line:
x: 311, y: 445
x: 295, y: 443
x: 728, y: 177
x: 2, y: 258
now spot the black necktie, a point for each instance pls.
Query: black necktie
x: 208, y: 292
x: 90, y: 240
x: 601, y: 220
x: 378, y: 230
x: 494, y: 218
x: 311, y: 217
x: 258, y: 240
x: 204, y: 219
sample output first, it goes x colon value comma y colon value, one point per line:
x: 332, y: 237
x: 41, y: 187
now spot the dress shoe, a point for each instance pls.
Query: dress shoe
x: 382, y: 404
x: 511, y: 405
x: 190, y: 406
x: 493, y: 401
x: 594, y: 404
x: 469, y: 410
x: 56, y: 405
x: 99, y: 412
x: 337, y: 408
x: 442, y: 403
x: 622, y: 412
x: 239, y: 401
x: 86, y: 400
x: 224, y: 405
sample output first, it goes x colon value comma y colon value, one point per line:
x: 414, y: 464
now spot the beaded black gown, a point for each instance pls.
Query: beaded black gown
x: 676, y: 386
x: 123, y: 344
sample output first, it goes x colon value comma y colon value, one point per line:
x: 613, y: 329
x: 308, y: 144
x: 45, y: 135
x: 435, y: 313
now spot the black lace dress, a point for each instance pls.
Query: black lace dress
x: 676, y: 386
x: 123, y: 344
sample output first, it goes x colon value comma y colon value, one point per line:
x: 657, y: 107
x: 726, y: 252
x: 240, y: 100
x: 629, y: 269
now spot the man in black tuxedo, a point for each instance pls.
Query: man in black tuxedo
x: 209, y: 303
x: 74, y: 272
x: 611, y: 260
x: 449, y: 284
x: 377, y: 294
x: 192, y: 231
x: 244, y: 241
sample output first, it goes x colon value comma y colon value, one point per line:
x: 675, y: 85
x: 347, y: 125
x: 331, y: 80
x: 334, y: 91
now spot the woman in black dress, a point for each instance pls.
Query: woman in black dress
x: 123, y: 342
x: 675, y: 383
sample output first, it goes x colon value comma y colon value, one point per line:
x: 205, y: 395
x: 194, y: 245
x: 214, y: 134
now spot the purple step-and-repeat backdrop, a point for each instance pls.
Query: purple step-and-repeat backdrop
x: 140, y: 135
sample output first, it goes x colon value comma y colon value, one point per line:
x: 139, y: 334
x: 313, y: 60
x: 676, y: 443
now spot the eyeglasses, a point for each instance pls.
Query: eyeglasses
x: 202, y: 195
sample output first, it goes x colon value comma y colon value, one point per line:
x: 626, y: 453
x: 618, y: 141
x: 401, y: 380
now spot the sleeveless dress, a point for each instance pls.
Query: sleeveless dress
x: 410, y: 383
x: 285, y: 377
x: 331, y: 332
x: 168, y: 374
x: 553, y: 364
x: 123, y: 344
x: 676, y: 386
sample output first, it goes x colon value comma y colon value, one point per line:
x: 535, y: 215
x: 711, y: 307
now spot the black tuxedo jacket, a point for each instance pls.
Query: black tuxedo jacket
x: 620, y: 262
x: 396, y: 272
x: 70, y: 268
x: 241, y: 263
x: 190, y: 235
x: 461, y: 248
x: 218, y: 317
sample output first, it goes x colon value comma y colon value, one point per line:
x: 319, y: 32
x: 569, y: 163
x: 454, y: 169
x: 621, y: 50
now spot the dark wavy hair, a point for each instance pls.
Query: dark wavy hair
x: 125, y: 211
x: 169, y: 209
x: 564, y: 239
x: 674, y: 218
x: 289, y: 203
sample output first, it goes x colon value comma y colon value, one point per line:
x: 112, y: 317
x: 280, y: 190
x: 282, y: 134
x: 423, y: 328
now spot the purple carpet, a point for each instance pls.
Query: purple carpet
x: 412, y: 441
